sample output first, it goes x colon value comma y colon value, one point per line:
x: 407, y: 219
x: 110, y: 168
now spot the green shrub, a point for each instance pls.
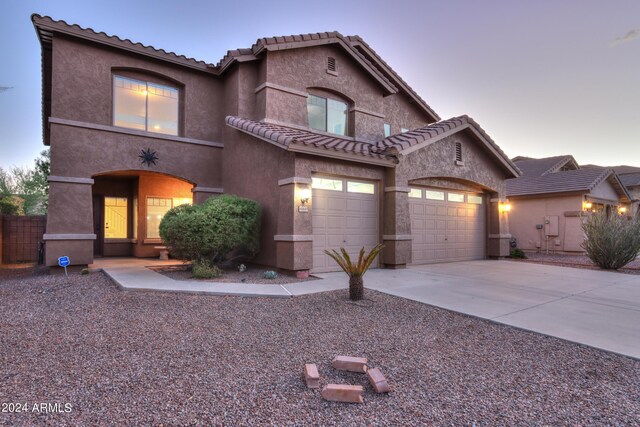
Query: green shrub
x: 203, y: 269
x: 518, y: 254
x: 270, y: 274
x: 613, y: 241
x: 212, y: 230
x: 85, y: 271
x: 11, y: 205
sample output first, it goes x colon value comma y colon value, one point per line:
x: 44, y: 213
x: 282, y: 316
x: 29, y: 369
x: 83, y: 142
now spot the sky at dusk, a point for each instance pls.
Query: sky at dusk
x: 543, y: 78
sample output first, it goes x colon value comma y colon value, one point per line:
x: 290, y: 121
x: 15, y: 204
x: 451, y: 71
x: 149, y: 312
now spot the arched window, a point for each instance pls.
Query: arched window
x: 145, y: 105
x: 328, y: 113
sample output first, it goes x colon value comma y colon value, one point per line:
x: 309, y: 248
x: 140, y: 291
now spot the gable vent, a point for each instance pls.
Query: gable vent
x: 331, y: 63
x: 458, y: 152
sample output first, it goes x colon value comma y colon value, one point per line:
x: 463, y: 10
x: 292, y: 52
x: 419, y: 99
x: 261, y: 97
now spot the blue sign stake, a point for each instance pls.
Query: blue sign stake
x: 63, y: 261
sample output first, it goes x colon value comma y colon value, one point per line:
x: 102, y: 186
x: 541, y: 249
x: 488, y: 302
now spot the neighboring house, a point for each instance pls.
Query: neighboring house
x: 630, y: 177
x: 549, y: 199
x: 308, y: 125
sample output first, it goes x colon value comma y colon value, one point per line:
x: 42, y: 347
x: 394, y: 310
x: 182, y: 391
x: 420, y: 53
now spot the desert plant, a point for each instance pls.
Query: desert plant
x: 355, y: 271
x: 517, y: 254
x: 611, y: 241
x: 212, y: 230
x: 203, y: 269
x: 270, y: 274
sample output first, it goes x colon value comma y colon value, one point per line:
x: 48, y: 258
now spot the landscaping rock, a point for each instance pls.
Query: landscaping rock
x: 343, y: 393
x: 377, y: 380
x: 351, y: 364
x: 302, y: 274
x: 311, y: 375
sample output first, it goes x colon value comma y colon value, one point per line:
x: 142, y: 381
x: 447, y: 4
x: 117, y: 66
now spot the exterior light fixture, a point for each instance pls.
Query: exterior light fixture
x: 305, y: 195
x: 622, y: 210
x: 504, y: 206
x: 586, y: 205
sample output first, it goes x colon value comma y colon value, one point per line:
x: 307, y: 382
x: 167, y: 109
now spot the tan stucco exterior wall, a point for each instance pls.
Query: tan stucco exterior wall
x: 526, y: 213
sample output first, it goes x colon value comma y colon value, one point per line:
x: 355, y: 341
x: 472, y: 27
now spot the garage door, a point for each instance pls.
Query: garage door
x: 345, y: 213
x: 447, y: 225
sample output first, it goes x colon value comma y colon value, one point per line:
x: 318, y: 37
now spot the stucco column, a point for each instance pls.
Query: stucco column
x: 397, y: 223
x: 498, y: 227
x: 201, y: 194
x: 70, y: 221
x: 294, y: 238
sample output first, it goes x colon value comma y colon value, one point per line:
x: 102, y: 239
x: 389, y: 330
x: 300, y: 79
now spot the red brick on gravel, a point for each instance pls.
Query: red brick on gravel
x: 343, y: 393
x: 351, y: 364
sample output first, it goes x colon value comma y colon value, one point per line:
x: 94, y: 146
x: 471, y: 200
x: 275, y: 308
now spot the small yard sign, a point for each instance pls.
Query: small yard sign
x: 63, y: 261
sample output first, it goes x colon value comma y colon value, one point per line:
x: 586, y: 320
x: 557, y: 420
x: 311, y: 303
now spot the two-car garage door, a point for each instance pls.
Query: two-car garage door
x: 446, y: 225
x: 345, y: 214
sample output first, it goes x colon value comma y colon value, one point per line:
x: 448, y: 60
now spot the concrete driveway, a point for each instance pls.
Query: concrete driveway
x: 596, y: 308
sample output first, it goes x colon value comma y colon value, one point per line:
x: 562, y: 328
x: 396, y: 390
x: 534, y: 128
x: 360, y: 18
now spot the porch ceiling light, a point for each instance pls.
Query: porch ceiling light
x: 305, y: 195
x: 622, y: 210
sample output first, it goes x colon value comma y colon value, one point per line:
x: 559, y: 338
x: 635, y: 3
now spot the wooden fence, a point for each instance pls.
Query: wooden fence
x: 20, y: 237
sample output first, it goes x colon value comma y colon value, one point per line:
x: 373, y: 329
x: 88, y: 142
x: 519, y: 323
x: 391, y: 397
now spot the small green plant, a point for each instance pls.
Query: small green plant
x: 357, y: 270
x: 270, y: 274
x: 203, y: 269
x: 611, y: 241
x: 517, y: 254
x: 84, y: 271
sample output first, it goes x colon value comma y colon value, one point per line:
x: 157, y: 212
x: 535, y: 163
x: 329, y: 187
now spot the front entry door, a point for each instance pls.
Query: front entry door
x: 98, y: 209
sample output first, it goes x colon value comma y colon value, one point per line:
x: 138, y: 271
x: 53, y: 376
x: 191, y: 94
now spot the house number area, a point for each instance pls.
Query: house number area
x: 40, y: 407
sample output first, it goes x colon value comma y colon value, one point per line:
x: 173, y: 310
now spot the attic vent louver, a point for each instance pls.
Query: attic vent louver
x: 331, y: 64
x: 458, y: 152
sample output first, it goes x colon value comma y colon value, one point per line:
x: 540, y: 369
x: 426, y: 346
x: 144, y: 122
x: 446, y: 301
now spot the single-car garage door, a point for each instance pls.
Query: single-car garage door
x: 447, y: 225
x: 345, y: 213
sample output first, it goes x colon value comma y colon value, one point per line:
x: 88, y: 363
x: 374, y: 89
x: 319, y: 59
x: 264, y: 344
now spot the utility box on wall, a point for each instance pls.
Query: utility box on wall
x: 551, y: 227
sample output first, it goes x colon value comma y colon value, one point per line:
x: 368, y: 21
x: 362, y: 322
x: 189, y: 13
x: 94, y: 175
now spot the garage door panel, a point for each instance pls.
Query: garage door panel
x: 348, y: 219
x: 446, y: 231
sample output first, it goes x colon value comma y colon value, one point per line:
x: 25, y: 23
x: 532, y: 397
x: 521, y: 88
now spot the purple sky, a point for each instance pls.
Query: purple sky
x: 543, y: 78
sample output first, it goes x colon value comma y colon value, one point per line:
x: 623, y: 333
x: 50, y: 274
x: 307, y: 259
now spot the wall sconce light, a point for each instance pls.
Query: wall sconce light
x: 305, y: 195
x: 586, y: 205
x: 622, y: 210
x: 504, y: 207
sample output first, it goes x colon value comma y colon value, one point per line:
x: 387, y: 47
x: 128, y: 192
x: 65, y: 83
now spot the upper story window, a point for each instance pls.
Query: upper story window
x: 327, y: 115
x: 387, y: 130
x: 145, y: 106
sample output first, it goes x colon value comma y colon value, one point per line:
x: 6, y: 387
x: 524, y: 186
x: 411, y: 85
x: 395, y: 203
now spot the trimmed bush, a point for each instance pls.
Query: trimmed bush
x: 613, y: 241
x: 212, y: 230
x: 202, y: 269
x: 517, y: 254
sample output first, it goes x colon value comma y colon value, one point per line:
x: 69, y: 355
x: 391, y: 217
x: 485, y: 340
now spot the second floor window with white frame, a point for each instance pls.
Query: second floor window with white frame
x: 327, y: 115
x: 145, y: 106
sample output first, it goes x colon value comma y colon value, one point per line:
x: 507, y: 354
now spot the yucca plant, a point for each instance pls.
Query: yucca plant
x: 357, y: 270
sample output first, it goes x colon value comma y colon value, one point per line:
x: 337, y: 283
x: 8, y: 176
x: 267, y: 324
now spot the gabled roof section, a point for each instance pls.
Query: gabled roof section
x: 46, y: 26
x: 389, y: 72
x: 538, y: 167
x: 353, y: 45
x: 407, y: 142
x: 311, y: 142
x: 571, y: 181
x: 306, y: 40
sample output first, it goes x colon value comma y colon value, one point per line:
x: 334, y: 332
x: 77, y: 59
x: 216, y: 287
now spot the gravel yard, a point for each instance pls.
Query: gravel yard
x: 579, y: 261
x: 145, y: 358
x: 250, y: 275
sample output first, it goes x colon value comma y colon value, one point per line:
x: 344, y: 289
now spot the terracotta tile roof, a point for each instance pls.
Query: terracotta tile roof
x: 630, y: 179
x: 45, y: 26
x: 381, y: 64
x: 538, y: 167
x: 435, y: 131
x: 581, y: 180
x: 285, y: 137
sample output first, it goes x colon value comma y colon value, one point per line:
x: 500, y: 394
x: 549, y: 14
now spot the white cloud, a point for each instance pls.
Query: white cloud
x: 631, y: 35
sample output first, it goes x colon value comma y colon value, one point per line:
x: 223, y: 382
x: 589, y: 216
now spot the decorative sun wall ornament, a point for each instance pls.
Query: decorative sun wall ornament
x: 148, y: 157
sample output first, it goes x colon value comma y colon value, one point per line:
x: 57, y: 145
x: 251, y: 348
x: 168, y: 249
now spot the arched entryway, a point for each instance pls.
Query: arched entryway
x: 128, y: 207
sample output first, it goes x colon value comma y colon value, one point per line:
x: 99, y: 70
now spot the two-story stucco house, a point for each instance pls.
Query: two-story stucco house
x: 337, y: 148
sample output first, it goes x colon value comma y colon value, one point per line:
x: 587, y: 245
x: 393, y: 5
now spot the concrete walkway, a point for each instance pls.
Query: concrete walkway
x: 597, y: 308
x: 133, y: 274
